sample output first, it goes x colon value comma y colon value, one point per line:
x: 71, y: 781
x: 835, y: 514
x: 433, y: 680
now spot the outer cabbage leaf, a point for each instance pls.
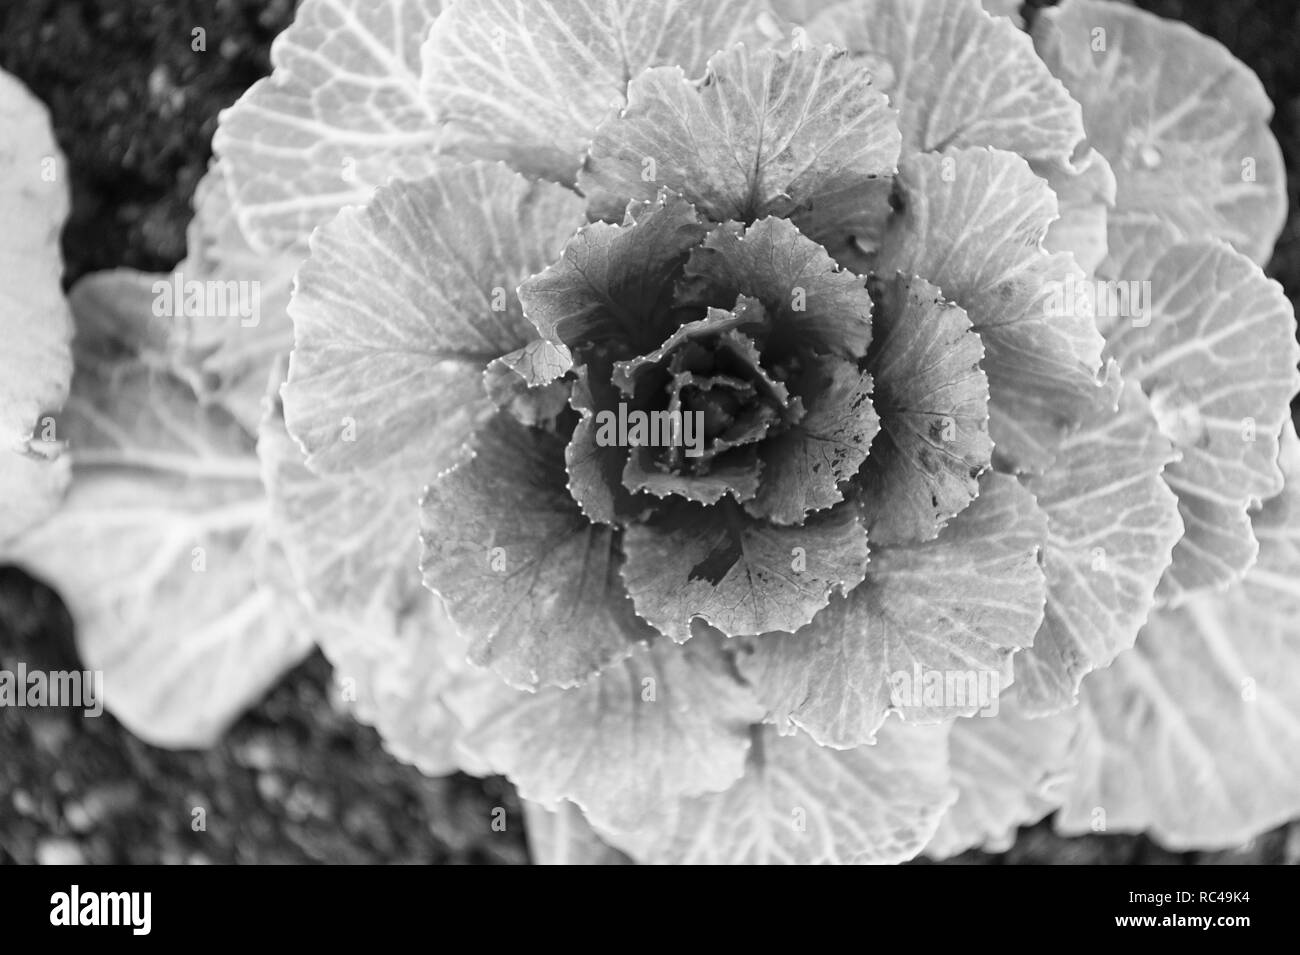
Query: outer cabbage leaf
x: 531, y: 581
x: 1009, y: 771
x: 973, y: 223
x: 227, y: 356
x: 341, y: 113
x: 1192, y: 735
x: 161, y: 550
x: 804, y: 804
x: 667, y: 722
x: 36, y: 364
x: 528, y: 82
x: 395, y: 673
x: 401, y: 306
x: 795, y: 134
x: 1216, y: 352
x: 1183, y: 123
x: 957, y: 607
x: 1218, y: 546
x: 1134, y: 257
x: 957, y: 76
x: 218, y: 322
x: 1005, y: 8
x: 1085, y: 194
x: 563, y: 836
x: 354, y: 555
x: 1112, y: 524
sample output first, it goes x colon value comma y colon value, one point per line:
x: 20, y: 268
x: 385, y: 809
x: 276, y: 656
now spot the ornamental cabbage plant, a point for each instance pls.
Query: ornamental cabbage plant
x: 764, y: 431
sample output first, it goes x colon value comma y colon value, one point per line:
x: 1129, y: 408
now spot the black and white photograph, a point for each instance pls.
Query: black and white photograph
x: 654, y: 432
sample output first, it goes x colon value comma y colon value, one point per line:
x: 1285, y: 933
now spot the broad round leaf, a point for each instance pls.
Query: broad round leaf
x: 531, y: 581
x: 1041, y: 353
x: 804, y: 804
x: 401, y: 306
x: 1008, y: 770
x: 667, y: 722
x: 35, y: 325
x: 351, y: 544
x: 341, y: 113
x: 794, y: 134
x: 957, y: 76
x: 162, y: 552
x: 1215, y: 350
x: 1112, y: 524
x: 228, y: 331
x: 1192, y: 735
x: 1218, y: 546
x: 394, y: 673
x: 739, y: 574
x: 929, y: 634
x: 1085, y: 194
x: 528, y: 82
x: 1183, y: 123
